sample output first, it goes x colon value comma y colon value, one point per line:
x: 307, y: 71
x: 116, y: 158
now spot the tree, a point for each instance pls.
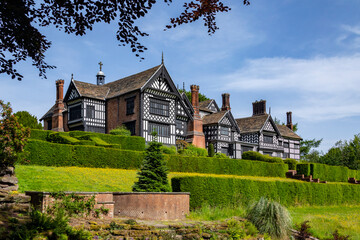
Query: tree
x: 13, y: 136
x: 19, y: 21
x: 153, y: 173
x: 307, y: 145
x: 202, y: 97
x: 28, y: 120
x: 211, y: 151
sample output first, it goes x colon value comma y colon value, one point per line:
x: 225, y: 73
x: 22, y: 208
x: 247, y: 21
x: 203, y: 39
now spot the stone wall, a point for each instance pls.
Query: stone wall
x: 151, y: 206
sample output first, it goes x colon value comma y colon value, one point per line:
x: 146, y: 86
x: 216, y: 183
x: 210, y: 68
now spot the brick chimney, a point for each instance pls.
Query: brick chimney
x: 259, y: 107
x: 289, y: 121
x: 195, y: 133
x: 225, y: 102
x: 57, y: 118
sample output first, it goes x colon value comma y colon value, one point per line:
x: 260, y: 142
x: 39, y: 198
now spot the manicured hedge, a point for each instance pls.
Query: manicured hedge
x: 251, y: 155
x: 214, y: 165
x: 291, y: 163
x: 54, y: 154
x: 221, y: 191
x: 124, y: 142
x: 327, y: 172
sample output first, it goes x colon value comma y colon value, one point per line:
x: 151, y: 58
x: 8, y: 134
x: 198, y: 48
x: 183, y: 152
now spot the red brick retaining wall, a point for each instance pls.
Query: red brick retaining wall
x: 151, y: 206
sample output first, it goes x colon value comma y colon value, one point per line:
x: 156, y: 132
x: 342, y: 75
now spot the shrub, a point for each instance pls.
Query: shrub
x: 191, y: 150
x: 270, y: 217
x: 28, y: 120
x: 220, y: 155
x: 168, y: 150
x: 39, y: 134
x: 121, y: 131
x: 286, y: 192
x: 211, y: 151
x: 291, y: 163
x: 303, y: 168
x: 13, y: 136
x: 252, y: 155
x: 153, y: 173
x: 61, y: 137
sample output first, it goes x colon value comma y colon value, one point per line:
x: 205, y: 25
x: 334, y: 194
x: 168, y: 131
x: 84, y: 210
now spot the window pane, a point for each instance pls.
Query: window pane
x: 161, y: 129
x: 159, y: 107
x: 268, y: 139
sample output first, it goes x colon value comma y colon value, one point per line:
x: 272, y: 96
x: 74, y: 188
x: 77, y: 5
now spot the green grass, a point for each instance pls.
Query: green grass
x: 208, y: 213
x: 44, y: 178
x: 325, y: 219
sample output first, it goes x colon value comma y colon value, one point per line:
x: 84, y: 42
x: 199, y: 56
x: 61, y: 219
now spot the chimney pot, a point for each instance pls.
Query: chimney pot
x: 195, y: 98
x: 225, y: 102
x: 289, y: 123
x: 259, y: 107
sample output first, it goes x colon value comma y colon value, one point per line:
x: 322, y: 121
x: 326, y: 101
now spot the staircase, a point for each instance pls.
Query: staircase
x: 293, y: 174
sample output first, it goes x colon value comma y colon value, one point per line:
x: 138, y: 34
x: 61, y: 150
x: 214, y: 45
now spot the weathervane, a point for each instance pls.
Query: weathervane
x: 100, y: 64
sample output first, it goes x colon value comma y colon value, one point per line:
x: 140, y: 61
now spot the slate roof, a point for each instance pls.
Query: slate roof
x: 91, y: 90
x: 50, y: 113
x: 116, y: 88
x: 204, y: 105
x: 252, y: 124
x: 213, y: 118
x: 286, y: 132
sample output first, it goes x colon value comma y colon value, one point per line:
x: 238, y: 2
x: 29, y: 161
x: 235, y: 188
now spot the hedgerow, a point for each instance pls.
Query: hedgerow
x: 52, y: 154
x: 327, y: 172
x: 222, y: 191
x: 251, y: 155
x: 214, y: 165
x: 291, y: 163
x: 116, y: 141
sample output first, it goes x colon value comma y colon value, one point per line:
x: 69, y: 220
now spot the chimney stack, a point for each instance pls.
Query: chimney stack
x: 289, y: 121
x: 225, y: 102
x: 57, y: 118
x: 195, y: 98
x: 195, y: 134
x: 259, y: 107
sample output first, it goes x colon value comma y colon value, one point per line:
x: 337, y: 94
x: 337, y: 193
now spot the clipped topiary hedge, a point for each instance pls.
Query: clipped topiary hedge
x: 327, y: 172
x: 252, y: 155
x: 221, y: 191
x: 116, y: 141
x: 291, y: 163
x: 177, y: 163
x: 54, y: 154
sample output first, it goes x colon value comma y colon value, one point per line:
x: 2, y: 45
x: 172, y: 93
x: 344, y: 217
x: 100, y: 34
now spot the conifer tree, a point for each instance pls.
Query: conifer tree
x: 153, y: 173
x: 211, y: 151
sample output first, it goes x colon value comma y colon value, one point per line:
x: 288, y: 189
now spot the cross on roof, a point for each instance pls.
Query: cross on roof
x: 100, y: 64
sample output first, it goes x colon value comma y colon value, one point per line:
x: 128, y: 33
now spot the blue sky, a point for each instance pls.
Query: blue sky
x: 301, y: 56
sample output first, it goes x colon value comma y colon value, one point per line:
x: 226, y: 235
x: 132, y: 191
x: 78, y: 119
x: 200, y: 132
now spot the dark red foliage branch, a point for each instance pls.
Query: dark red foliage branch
x: 20, y: 38
x: 13, y: 136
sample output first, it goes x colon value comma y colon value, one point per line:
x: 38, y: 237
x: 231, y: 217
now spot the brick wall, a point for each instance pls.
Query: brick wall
x: 116, y: 112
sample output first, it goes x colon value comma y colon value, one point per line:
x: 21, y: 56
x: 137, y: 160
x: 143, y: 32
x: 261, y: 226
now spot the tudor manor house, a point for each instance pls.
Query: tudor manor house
x: 149, y: 101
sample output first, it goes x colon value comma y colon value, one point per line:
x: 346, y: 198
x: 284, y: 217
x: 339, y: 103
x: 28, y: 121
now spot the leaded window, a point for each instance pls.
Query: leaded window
x: 75, y: 112
x: 296, y: 146
x: 268, y: 139
x: 131, y: 127
x: 90, y: 111
x: 130, y: 106
x: 224, y: 131
x: 286, y: 144
x: 246, y: 149
x: 159, y: 107
x: 162, y: 130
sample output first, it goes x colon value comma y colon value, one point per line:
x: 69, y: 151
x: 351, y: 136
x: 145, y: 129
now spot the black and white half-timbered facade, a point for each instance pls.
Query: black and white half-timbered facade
x: 149, y: 101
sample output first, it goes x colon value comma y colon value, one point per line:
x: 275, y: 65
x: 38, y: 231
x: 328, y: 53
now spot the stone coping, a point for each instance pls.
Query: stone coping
x: 115, y: 193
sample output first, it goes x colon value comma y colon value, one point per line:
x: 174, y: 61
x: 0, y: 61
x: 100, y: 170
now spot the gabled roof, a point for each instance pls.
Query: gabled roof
x: 91, y: 90
x: 216, y: 118
x: 287, y: 132
x: 252, y: 124
x: 50, y: 112
x: 131, y: 83
x: 205, y: 105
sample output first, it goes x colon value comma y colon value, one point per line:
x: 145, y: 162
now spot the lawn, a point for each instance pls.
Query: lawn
x: 323, y: 220
x: 43, y: 178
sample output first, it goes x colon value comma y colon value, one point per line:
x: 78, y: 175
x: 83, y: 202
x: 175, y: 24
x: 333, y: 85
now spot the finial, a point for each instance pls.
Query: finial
x: 162, y: 57
x: 72, y: 76
x: 100, y: 64
x: 184, y: 86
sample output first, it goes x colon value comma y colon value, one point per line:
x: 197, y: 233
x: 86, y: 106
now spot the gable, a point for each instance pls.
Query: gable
x: 225, y: 121
x: 160, y: 83
x: 269, y: 127
x: 213, y: 107
x: 71, y: 93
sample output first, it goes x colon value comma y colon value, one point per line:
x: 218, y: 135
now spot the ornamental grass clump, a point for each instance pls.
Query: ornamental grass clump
x: 153, y: 173
x: 270, y: 217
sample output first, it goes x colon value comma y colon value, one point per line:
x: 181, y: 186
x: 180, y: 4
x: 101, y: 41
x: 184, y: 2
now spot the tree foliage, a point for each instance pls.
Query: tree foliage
x: 344, y: 153
x: 202, y: 97
x: 20, y: 37
x: 13, y: 136
x: 28, y: 120
x: 153, y: 173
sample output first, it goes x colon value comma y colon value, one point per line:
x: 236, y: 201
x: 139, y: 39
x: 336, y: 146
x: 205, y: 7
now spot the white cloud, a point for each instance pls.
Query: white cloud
x: 350, y: 36
x: 323, y: 88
